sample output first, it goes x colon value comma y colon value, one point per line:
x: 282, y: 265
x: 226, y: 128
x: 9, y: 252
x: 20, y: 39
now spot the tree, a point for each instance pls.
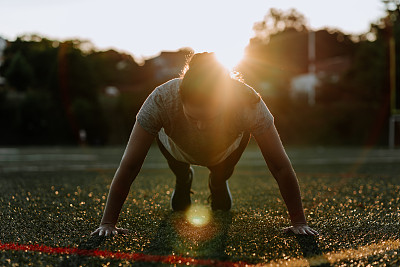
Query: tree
x: 279, y: 21
x: 277, y: 52
x: 19, y: 73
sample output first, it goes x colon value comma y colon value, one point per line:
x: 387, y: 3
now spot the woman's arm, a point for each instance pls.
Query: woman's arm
x: 131, y: 163
x: 282, y: 170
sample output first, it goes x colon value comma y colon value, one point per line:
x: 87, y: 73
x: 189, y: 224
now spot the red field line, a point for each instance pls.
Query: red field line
x: 171, y: 259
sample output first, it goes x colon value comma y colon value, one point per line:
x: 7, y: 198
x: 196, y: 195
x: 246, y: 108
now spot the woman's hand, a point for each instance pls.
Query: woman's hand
x: 106, y: 230
x: 300, y: 230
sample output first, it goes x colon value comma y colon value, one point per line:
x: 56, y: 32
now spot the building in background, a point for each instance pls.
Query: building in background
x: 167, y: 65
x: 327, y: 69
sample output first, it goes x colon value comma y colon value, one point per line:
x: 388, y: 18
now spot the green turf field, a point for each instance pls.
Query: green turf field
x: 55, y: 197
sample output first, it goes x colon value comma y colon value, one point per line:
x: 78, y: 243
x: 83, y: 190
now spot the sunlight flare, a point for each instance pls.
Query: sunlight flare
x: 198, y: 215
x: 228, y: 58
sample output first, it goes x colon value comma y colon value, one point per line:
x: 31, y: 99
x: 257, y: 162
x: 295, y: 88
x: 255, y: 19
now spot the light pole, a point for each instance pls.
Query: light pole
x: 392, y: 8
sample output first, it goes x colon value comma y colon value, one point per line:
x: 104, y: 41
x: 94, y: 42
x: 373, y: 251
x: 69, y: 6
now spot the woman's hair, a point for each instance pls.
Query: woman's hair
x: 204, y: 78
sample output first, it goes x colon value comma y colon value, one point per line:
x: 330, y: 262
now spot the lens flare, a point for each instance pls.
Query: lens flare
x: 198, y: 215
x: 196, y: 225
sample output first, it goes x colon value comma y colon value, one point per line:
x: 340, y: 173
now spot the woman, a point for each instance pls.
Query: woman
x: 205, y: 118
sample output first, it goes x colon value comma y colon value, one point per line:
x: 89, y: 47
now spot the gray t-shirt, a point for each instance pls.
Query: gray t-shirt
x: 162, y: 114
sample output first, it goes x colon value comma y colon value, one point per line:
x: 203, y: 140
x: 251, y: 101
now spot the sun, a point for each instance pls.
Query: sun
x: 229, y: 58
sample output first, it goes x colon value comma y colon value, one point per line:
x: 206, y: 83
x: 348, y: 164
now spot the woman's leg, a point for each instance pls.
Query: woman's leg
x: 180, y: 199
x: 219, y: 174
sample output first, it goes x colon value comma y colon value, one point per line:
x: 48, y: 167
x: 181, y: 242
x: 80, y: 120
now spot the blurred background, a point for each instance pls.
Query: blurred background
x: 76, y: 73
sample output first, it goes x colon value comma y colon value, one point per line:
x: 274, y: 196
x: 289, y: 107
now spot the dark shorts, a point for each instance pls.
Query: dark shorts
x: 221, y: 172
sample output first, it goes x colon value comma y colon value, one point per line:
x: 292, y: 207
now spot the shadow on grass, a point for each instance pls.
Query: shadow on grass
x: 311, y: 250
x: 177, y: 236
x: 174, y: 236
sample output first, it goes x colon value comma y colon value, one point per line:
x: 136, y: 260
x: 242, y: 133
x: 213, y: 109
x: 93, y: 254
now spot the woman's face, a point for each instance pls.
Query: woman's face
x: 203, y: 117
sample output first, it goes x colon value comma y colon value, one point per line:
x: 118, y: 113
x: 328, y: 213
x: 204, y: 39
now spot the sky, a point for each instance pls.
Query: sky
x: 146, y: 27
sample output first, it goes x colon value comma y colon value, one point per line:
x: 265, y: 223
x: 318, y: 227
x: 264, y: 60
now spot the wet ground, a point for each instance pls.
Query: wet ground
x: 55, y: 197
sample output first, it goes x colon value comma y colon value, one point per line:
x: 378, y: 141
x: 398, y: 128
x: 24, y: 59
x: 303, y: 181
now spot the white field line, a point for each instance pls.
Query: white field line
x: 13, y: 160
x: 335, y: 257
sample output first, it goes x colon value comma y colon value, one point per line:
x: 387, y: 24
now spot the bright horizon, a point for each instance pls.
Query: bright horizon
x: 145, y: 28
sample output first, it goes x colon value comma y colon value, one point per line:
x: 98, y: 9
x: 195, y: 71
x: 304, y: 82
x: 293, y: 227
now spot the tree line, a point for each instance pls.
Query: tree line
x: 63, y: 93
x: 351, y: 105
x: 66, y: 93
